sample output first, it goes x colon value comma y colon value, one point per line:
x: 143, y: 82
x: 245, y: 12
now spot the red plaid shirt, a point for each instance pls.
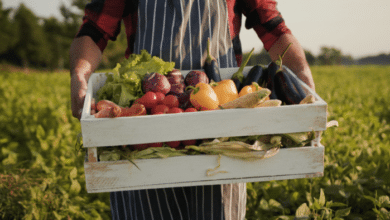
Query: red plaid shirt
x: 102, y: 22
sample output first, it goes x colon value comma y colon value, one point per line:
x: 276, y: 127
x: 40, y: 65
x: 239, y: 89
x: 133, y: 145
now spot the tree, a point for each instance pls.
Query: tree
x: 31, y: 45
x: 259, y: 58
x: 57, y: 43
x: 329, y: 56
x: 7, y: 32
x: 311, y: 59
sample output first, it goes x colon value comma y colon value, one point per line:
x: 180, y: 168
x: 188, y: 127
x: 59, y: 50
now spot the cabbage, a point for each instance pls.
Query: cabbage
x: 124, y: 85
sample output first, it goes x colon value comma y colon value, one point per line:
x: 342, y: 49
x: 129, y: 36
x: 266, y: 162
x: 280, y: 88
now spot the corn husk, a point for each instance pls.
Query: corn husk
x: 239, y: 149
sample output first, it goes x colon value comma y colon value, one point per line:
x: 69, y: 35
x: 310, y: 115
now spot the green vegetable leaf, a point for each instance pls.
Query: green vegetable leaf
x: 75, y: 188
x: 343, y: 212
x: 73, y: 173
x: 124, y: 85
x: 322, y: 198
x: 303, y: 211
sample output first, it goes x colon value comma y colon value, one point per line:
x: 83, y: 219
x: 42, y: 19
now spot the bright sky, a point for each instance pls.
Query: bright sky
x: 356, y: 27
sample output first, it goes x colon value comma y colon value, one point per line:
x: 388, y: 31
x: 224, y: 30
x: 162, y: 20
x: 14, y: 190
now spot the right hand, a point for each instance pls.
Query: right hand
x: 85, y: 56
x: 78, y: 90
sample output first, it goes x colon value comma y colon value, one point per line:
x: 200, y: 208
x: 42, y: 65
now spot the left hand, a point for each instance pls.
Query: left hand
x: 294, y: 58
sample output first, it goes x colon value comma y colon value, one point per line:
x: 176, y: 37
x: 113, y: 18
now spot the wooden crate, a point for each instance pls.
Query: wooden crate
x: 288, y: 163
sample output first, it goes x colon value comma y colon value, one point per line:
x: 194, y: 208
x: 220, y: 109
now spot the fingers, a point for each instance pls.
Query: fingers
x: 77, y: 100
x: 77, y: 107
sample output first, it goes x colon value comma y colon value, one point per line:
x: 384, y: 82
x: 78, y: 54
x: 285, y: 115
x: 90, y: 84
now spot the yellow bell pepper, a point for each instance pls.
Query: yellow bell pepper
x: 226, y: 90
x: 249, y: 89
x: 203, y: 97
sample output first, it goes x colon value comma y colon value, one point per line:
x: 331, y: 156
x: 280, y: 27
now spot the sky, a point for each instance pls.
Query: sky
x: 356, y: 27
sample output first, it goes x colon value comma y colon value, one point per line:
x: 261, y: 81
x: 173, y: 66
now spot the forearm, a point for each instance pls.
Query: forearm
x: 85, y: 56
x: 294, y: 58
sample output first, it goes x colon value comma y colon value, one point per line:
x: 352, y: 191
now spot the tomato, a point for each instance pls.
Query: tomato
x: 173, y: 144
x: 160, y: 98
x: 189, y: 142
x: 158, y: 144
x: 175, y: 110
x: 149, y: 100
x: 191, y: 110
x: 160, y: 108
x: 140, y: 146
x: 171, y: 101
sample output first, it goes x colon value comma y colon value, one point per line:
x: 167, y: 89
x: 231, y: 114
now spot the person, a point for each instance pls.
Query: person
x: 178, y: 31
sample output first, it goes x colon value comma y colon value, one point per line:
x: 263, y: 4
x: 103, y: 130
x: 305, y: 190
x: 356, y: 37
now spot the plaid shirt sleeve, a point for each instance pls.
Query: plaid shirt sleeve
x: 265, y: 19
x: 102, y: 21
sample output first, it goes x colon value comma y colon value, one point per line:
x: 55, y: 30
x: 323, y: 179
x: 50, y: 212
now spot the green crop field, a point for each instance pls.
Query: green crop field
x: 42, y: 176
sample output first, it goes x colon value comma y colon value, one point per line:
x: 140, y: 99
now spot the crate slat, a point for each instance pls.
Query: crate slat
x: 288, y: 163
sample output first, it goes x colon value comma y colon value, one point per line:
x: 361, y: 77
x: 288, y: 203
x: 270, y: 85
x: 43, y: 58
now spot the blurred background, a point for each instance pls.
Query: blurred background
x: 38, y: 33
x: 42, y: 163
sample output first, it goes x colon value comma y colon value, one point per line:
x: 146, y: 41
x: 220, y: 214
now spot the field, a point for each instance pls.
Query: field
x: 42, y: 175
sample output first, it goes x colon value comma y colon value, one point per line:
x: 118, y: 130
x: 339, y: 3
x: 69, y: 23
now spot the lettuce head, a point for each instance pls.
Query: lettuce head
x: 124, y: 83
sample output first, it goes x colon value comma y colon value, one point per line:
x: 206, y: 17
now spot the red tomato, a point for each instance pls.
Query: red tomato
x: 158, y: 144
x: 160, y: 108
x: 173, y: 144
x: 191, y: 110
x: 174, y: 110
x: 160, y: 98
x: 149, y: 100
x: 189, y: 142
x: 171, y: 101
x: 140, y: 146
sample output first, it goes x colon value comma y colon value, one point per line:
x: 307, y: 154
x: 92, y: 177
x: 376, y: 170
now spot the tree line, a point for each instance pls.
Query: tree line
x: 29, y: 41
x: 32, y: 42
x: 327, y: 56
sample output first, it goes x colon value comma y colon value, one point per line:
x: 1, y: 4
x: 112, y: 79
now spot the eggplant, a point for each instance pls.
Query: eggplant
x: 238, y: 77
x: 297, y: 86
x: 254, y: 75
x: 287, y: 91
x: 272, y: 68
x: 211, y: 67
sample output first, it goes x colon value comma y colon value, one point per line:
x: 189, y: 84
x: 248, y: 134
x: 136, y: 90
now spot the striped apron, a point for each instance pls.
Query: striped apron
x: 177, y: 30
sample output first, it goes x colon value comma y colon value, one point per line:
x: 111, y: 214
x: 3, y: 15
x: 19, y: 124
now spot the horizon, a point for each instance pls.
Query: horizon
x: 358, y: 28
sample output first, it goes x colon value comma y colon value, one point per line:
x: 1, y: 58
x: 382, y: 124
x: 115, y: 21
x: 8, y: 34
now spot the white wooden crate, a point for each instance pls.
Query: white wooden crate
x: 288, y: 163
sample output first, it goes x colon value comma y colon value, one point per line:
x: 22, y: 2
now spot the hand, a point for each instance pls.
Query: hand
x: 85, y: 56
x: 78, y: 90
x: 294, y: 58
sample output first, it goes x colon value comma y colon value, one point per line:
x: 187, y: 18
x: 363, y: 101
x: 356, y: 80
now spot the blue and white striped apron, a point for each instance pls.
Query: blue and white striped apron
x: 177, y: 30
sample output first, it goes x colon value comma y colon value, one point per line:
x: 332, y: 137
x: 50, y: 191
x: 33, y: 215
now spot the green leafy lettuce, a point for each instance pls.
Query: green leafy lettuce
x: 124, y: 85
